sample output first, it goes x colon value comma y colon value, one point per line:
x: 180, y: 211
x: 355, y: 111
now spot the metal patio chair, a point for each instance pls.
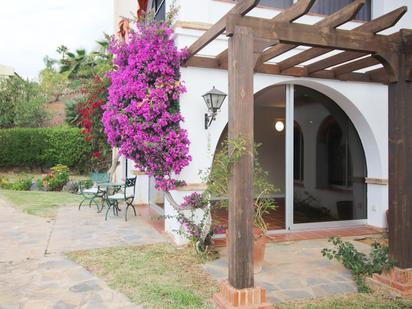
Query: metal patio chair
x: 95, y: 193
x: 125, y: 194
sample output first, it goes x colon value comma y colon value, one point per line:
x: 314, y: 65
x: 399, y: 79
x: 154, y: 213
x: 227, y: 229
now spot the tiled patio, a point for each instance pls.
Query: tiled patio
x: 296, y: 270
x: 35, y: 273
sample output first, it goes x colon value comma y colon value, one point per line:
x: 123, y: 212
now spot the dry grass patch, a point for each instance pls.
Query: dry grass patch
x: 156, y: 276
x: 376, y: 300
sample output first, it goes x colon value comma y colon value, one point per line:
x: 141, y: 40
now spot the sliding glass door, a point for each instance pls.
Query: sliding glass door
x: 327, y: 166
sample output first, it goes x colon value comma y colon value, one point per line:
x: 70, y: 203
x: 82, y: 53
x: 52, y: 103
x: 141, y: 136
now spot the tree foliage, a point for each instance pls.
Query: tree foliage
x: 53, y: 83
x: 80, y: 64
x: 22, y: 103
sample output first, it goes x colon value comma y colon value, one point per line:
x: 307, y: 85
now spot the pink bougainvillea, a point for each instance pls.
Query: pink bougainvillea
x: 142, y: 116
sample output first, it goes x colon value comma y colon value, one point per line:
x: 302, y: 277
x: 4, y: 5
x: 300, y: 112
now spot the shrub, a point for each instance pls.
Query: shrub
x: 38, y: 148
x: 58, y: 177
x: 23, y: 183
x: 359, y: 263
x: 4, y: 183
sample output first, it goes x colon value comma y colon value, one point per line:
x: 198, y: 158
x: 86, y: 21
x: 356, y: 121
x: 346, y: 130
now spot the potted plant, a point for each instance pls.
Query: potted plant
x: 217, y: 181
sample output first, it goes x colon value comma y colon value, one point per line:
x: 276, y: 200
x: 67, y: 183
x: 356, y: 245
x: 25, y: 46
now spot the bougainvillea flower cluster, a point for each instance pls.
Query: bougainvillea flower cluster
x: 194, y: 201
x: 142, y: 116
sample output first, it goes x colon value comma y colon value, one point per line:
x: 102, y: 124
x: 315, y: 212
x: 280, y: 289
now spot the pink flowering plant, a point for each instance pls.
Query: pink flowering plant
x: 194, y: 201
x: 142, y: 116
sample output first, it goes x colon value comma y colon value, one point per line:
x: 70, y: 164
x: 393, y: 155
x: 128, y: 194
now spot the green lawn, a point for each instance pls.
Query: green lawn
x: 157, y: 276
x: 39, y: 203
x: 162, y: 276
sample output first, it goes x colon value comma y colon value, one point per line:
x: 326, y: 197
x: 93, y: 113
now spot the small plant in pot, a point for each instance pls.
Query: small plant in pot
x: 195, y: 219
x: 217, y: 181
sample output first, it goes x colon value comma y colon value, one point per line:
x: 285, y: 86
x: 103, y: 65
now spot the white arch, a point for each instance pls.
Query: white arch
x: 375, y: 167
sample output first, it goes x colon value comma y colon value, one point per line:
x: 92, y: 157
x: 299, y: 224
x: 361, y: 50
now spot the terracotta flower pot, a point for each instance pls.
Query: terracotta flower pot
x: 259, y: 247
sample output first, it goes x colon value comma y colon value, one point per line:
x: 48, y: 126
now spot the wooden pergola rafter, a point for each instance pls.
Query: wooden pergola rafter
x: 254, y: 42
x: 323, y: 31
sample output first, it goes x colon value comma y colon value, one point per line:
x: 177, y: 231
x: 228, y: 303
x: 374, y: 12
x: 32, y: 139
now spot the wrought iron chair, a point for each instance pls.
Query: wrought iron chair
x: 126, y: 194
x: 96, y: 192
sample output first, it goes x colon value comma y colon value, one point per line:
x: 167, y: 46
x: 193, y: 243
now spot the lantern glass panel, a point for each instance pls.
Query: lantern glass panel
x: 208, y: 100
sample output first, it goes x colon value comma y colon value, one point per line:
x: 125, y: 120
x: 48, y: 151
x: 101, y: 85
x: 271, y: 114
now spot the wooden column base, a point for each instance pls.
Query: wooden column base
x: 230, y: 298
x: 397, y: 280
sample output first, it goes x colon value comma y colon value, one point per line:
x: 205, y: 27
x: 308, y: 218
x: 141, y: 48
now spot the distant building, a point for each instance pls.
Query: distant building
x: 6, y: 71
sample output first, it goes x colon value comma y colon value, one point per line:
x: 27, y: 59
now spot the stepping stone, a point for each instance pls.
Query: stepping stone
x: 85, y: 287
x: 333, y: 289
x: 62, y: 305
x: 297, y: 294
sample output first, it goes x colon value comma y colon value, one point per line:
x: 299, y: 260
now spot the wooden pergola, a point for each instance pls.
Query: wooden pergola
x: 253, y: 42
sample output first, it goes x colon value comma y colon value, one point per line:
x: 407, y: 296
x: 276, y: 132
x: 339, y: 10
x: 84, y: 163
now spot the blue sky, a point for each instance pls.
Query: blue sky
x: 31, y: 29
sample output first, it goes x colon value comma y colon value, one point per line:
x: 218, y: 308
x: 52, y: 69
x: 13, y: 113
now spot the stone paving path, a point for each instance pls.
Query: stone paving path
x: 296, y: 270
x: 35, y: 274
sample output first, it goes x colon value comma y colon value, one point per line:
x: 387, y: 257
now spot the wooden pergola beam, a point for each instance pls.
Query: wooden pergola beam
x: 400, y: 152
x: 378, y: 75
x: 332, y: 21
x: 374, y: 26
x: 309, y: 35
x: 290, y: 14
x: 218, y: 28
x: 299, y: 9
x: 266, y: 68
x: 241, y: 110
x: 355, y: 65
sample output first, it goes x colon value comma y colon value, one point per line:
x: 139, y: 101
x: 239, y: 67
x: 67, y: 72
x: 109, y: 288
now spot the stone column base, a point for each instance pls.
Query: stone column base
x: 230, y: 298
x: 397, y: 280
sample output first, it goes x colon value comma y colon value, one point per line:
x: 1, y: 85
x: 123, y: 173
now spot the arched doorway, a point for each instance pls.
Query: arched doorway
x: 333, y: 188
x: 313, y: 155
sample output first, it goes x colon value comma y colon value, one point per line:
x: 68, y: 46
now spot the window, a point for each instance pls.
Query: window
x: 324, y: 7
x: 338, y: 161
x: 279, y: 4
x: 159, y: 7
x: 327, y: 7
x: 298, y: 153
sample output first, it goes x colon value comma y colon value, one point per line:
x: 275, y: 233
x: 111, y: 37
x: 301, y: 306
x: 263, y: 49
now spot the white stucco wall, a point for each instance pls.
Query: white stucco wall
x: 364, y: 103
x: 123, y: 8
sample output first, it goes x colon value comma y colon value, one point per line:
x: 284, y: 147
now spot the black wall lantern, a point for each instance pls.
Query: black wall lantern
x: 214, y: 100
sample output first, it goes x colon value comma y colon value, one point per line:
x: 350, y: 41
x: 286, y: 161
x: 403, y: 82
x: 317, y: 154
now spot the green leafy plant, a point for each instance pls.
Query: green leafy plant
x: 360, y: 264
x: 58, y: 177
x: 4, y: 183
x: 217, y: 179
x: 23, y: 183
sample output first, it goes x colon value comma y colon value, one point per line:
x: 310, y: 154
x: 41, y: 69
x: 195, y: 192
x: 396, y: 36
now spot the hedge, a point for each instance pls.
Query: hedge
x: 37, y: 148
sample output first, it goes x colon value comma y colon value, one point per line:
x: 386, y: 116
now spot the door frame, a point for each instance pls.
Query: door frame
x: 289, y: 181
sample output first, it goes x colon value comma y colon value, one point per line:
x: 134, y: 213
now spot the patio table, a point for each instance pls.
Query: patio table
x: 105, y: 187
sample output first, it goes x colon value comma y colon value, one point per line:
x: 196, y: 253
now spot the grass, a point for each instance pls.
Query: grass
x: 38, y: 203
x: 162, y: 276
x: 156, y: 276
x: 376, y: 300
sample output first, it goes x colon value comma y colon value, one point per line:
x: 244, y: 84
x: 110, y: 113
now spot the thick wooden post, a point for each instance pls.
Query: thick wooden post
x: 400, y: 159
x: 241, y: 65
